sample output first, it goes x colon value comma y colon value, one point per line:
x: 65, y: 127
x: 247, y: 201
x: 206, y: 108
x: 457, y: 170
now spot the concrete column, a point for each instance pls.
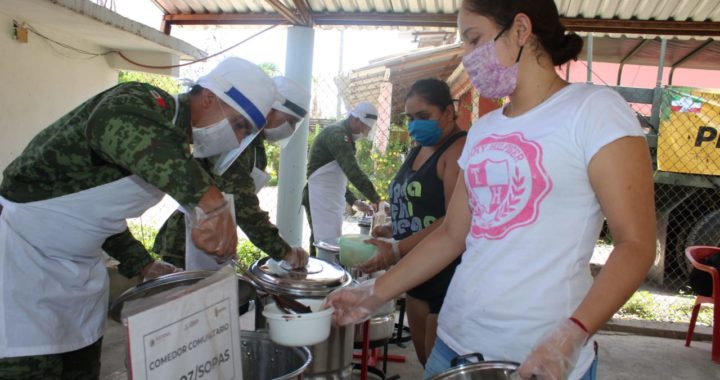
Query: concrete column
x: 293, y: 158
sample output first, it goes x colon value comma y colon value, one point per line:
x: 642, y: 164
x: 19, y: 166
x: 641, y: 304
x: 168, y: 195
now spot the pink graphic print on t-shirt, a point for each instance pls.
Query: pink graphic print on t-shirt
x: 506, y: 183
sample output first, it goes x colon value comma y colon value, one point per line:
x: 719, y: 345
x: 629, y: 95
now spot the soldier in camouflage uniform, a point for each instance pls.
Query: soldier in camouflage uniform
x: 69, y: 192
x: 238, y: 180
x: 331, y: 164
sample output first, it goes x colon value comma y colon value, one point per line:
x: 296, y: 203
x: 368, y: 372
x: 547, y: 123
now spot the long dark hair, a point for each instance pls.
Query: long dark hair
x: 433, y: 91
x: 561, y: 45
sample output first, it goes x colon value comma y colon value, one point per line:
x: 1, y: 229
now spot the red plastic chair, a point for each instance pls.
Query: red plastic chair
x: 695, y: 254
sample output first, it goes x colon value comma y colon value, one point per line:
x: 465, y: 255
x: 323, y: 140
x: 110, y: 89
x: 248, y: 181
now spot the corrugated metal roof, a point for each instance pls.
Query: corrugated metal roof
x: 402, y: 71
x: 678, y: 10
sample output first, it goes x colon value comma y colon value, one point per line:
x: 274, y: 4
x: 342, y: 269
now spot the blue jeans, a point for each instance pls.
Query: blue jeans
x: 441, y: 356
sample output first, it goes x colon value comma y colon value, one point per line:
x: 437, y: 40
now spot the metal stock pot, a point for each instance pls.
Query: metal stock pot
x: 246, y: 291
x: 481, y: 370
x: 264, y: 360
x: 332, y: 359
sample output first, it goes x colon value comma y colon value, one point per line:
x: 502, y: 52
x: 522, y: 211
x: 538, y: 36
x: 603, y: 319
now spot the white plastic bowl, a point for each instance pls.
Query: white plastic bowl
x: 299, y: 329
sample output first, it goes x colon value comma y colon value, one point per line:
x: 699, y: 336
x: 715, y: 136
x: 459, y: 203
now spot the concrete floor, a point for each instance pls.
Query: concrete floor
x: 622, y: 356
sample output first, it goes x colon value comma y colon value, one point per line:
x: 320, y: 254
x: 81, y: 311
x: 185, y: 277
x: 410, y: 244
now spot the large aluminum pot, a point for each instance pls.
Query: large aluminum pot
x: 328, y: 251
x: 482, y: 370
x: 332, y: 359
x: 247, y: 295
x: 264, y: 360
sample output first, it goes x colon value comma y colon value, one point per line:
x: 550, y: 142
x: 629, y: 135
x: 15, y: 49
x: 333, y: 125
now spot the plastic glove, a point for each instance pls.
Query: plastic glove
x: 215, y: 233
x: 296, y: 258
x: 384, y: 258
x: 556, y: 353
x: 363, y: 207
x: 383, y: 231
x: 157, y: 269
x: 353, y: 304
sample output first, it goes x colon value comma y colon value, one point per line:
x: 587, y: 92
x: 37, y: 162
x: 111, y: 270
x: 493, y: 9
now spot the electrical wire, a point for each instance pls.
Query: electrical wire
x: 197, y: 60
x: 123, y: 56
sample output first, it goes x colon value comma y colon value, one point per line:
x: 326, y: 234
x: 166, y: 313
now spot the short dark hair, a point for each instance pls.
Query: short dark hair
x: 196, y: 89
x: 562, y: 46
x: 433, y: 91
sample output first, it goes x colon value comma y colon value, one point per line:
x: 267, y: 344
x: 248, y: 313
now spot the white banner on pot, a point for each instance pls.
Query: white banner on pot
x: 193, y: 334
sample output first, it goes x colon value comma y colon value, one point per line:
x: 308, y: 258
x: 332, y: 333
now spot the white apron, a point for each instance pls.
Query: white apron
x: 54, y: 293
x: 196, y: 258
x: 326, y: 193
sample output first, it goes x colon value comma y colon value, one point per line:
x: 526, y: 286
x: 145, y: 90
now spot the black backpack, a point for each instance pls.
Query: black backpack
x: 700, y: 281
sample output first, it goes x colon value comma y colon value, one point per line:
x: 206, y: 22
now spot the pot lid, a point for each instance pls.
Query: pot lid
x: 365, y: 221
x: 317, y: 279
x: 327, y: 246
x: 246, y: 291
x: 490, y: 370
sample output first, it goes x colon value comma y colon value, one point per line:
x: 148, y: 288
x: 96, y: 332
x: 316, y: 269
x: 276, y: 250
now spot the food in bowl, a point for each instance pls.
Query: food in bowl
x: 296, y: 330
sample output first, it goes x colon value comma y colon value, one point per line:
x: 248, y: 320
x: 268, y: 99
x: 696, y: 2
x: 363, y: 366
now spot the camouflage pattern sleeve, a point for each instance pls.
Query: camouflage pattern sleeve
x: 131, y: 254
x: 249, y: 216
x: 342, y: 148
x: 350, y: 198
x: 128, y: 129
x: 170, y: 240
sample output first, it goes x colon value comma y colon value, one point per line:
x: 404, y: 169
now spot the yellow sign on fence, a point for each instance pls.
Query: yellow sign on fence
x: 689, y: 138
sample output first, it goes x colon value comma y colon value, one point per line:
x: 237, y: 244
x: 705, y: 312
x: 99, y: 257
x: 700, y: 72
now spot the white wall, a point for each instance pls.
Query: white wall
x: 39, y: 83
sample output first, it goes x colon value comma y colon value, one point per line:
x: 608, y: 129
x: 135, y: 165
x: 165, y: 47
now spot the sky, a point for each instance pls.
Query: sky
x: 360, y: 46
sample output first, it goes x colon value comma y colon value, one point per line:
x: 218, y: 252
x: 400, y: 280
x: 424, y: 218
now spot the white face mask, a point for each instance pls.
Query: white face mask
x: 278, y: 133
x: 358, y: 136
x: 214, y: 139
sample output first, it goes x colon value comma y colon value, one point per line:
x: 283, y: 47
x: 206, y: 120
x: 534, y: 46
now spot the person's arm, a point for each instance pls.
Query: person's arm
x: 249, y: 216
x: 131, y: 254
x: 130, y: 129
x: 350, y: 198
x: 621, y: 175
x: 423, y: 261
x: 344, y: 154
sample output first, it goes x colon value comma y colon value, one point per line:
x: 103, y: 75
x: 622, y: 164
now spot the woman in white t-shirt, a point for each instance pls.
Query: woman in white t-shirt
x: 539, y: 175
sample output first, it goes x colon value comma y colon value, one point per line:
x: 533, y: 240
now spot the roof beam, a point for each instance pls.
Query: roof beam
x: 683, y: 28
x: 680, y: 28
x: 687, y: 57
x: 304, y: 11
x: 286, y: 12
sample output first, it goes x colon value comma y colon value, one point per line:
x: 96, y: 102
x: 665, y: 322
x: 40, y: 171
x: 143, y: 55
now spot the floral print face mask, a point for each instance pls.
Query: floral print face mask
x: 490, y: 78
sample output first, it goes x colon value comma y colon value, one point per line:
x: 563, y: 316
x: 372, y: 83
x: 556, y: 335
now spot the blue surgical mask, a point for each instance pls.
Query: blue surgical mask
x: 425, y: 132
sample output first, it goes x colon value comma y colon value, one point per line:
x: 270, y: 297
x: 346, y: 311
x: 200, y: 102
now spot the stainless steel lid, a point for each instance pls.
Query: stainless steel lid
x: 486, y: 370
x: 365, y: 221
x: 317, y: 279
x: 327, y: 246
x: 246, y: 291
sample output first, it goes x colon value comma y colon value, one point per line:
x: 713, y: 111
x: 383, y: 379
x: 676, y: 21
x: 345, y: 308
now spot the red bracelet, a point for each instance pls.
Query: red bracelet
x: 580, y: 324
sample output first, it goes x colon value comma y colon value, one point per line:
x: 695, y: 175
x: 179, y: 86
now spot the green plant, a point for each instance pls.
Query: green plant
x: 381, y: 166
x: 145, y: 235
x: 166, y: 83
x: 248, y: 253
x: 641, y: 304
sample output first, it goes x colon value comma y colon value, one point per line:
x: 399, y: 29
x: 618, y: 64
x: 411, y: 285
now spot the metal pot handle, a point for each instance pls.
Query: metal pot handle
x: 461, y: 358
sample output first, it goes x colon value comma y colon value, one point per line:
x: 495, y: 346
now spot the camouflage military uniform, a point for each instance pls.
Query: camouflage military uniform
x: 124, y: 130
x: 170, y: 241
x: 82, y: 364
x: 335, y: 143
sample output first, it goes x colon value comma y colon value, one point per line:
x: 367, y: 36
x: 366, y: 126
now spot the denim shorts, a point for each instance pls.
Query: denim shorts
x: 441, y: 356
